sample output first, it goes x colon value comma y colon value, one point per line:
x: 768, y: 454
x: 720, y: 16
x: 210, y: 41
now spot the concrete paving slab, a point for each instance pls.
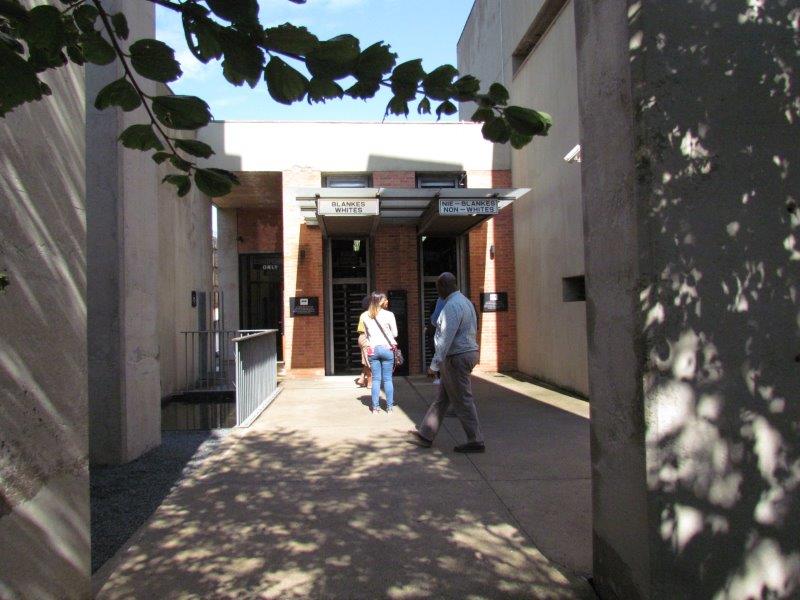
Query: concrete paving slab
x: 321, y: 499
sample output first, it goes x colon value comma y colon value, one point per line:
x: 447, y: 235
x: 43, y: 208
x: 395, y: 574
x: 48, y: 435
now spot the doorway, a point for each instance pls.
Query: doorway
x: 349, y: 276
x: 261, y: 294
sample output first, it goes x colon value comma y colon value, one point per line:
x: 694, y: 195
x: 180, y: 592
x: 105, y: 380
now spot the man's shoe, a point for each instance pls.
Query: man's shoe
x: 417, y: 440
x: 470, y: 448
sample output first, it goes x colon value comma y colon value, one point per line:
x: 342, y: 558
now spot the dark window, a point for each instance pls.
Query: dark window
x: 439, y: 255
x: 349, y: 258
x: 348, y: 180
x: 442, y: 180
x: 574, y: 288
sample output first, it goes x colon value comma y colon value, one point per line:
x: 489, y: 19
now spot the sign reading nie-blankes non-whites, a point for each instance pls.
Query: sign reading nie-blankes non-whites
x: 347, y: 208
x: 468, y: 206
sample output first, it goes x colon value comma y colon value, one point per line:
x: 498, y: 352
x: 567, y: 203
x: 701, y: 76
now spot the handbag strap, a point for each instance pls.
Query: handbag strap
x: 378, y: 323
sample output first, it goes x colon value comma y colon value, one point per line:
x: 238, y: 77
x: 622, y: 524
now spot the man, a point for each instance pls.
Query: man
x: 455, y: 357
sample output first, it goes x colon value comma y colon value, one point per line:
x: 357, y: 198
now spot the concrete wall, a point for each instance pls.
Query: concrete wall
x: 548, y: 228
x: 184, y: 265
x: 122, y: 238
x: 343, y: 147
x: 44, y: 478
x: 228, y: 257
x: 693, y: 266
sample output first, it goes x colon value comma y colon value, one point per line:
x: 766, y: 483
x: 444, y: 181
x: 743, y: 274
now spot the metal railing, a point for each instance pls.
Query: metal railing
x: 256, y: 374
x: 209, y: 359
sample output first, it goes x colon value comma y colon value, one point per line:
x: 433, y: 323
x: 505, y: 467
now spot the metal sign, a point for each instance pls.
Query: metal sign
x: 494, y: 302
x: 347, y: 208
x: 467, y: 206
x: 306, y: 306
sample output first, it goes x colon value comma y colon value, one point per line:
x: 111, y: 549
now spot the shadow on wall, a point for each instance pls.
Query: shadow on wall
x: 721, y: 320
x: 44, y: 541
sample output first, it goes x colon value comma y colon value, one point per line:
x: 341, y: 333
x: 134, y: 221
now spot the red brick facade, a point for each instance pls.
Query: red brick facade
x: 395, y: 262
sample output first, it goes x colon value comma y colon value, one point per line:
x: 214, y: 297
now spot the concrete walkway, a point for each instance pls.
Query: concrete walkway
x: 321, y: 499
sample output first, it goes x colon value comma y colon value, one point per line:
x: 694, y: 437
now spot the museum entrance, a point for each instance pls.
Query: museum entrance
x: 348, y: 278
x: 261, y: 294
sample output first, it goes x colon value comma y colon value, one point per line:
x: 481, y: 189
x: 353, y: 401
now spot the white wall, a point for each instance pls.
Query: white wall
x: 279, y: 146
x: 44, y: 478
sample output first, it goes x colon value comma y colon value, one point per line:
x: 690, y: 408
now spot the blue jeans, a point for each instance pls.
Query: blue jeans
x: 382, y: 363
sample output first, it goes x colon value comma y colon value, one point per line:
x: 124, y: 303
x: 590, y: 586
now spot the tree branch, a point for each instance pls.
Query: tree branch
x: 129, y: 73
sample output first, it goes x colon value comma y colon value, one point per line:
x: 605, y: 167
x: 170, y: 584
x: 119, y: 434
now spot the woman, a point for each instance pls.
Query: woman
x: 381, y: 329
x: 363, y: 380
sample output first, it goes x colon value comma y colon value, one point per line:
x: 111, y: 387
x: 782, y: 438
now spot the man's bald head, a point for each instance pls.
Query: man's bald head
x: 446, y: 284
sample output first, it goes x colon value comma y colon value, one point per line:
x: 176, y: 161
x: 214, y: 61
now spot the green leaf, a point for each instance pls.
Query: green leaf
x: 498, y: 94
x: 96, y: 49
x: 437, y: 83
x: 244, y: 60
x: 118, y: 93
x: 182, y: 182
x: 160, y: 157
x: 446, y: 108
x: 397, y: 106
x: 213, y: 182
x: 140, y: 137
x: 181, y: 112
x: 120, y: 24
x: 42, y: 59
x: 85, y: 16
x: 335, y: 58
x: 44, y: 28
x: 320, y: 90
x: 289, y: 39
x: 195, y: 148
x: 285, y: 84
x: 154, y: 60
x: 18, y: 81
x: 482, y: 114
x: 496, y: 130
x: 424, y: 107
x: 406, y: 77
x: 375, y: 62
x: 235, y: 11
x: 201, y: 33
x: 520, y: 140
x: 528, y: 121
x: 466, y: 87
x: 363, y: 89
x: 179, y: 163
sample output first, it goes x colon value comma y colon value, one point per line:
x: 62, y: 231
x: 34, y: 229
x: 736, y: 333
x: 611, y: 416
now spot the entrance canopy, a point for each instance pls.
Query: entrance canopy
x: 434, y: 211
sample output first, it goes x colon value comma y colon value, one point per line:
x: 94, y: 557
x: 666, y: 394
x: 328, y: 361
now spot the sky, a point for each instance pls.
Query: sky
x: 426, y: 29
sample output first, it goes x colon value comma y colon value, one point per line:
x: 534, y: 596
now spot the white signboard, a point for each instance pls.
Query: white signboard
x: 468, y: 206
x: 347, y: 208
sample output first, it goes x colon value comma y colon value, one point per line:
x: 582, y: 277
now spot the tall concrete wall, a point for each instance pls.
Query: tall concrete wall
x: 44, y: 478
x: 184, y: 266
x: 689, y: 119
x: 228, y: 257
x: 122, y: 237
x: 548, y: 222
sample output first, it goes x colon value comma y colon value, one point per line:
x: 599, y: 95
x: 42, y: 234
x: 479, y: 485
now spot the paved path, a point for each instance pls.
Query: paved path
x: 321, y: 499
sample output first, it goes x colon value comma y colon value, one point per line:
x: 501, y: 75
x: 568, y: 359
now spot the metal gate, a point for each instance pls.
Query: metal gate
x: 346, y: 310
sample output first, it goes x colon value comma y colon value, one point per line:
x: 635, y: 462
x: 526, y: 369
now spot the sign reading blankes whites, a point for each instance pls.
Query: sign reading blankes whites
x: 468, y: 206
x: 347, y: 208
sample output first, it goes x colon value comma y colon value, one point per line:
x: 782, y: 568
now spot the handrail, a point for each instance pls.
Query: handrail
x: 256, y: 374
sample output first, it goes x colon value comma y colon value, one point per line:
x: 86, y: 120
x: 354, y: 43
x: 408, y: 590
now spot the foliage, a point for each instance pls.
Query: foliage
x: 293, y: 62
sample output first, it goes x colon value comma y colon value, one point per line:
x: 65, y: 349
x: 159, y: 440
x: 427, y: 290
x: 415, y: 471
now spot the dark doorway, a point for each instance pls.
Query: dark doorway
x: 261, y: 293
x: 438, y: 254
x: 349, y: 264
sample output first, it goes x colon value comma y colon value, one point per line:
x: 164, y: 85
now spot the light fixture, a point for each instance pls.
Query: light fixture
x: 574, y: 155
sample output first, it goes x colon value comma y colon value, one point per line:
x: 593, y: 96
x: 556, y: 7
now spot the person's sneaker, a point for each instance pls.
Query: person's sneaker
x: 413, y: 437
x: 375, y: 411
x: 470, y: 448
x: 389, y: 410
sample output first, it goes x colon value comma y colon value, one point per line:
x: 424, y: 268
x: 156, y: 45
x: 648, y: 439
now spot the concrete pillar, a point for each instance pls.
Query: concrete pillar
x: 228, y: 257
x: 689, y: 131
x: 122, y: 236
x: 44, y: 476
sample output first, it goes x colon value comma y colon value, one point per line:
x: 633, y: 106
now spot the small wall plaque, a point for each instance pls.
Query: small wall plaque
x: 494, y: 302
x: 304, y: 306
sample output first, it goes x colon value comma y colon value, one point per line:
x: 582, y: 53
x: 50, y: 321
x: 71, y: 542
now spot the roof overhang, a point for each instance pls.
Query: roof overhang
x: 433, y: 211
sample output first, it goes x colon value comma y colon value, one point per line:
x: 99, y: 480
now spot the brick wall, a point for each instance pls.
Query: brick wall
x: 259, y: 229
x: 304, y: 337
x: 396, y: 269
x: 396, y: 179
x: 497, y: 331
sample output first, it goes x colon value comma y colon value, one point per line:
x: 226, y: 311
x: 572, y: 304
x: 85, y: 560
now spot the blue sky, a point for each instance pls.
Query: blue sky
x: 426, y: 29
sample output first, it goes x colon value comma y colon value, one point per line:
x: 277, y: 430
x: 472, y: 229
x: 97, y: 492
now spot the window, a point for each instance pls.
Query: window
x: 574, y: 288
x: 442, y: 180
x: 348, y: 180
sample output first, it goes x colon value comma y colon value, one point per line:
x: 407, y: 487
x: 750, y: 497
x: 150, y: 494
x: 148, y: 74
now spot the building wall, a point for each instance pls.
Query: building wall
x: 228, y: 256
x: 44, y: 476
x: 184, y: 266
x: 547, y: 222
x: 259, y: 229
